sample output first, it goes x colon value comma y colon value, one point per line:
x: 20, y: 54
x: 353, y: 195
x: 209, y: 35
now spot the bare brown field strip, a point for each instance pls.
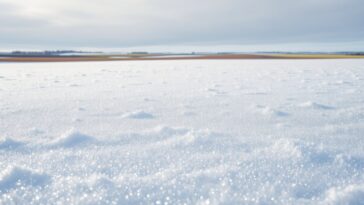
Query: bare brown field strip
x: 203, y: 57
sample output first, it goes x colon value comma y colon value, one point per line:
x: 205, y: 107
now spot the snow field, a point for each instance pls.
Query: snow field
x: 182, y: 132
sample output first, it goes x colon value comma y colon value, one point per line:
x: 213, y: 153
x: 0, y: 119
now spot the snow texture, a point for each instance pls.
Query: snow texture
x: 16, y: 177
x: 183, y: 132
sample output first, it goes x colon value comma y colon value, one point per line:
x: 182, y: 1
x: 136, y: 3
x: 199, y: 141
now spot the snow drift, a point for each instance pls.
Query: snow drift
x: 16, y: 177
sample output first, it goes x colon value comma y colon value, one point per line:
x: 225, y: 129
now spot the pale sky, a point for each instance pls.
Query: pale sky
x: 218, y: 25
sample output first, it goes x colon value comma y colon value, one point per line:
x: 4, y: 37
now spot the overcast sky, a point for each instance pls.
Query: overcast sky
x: 183, y: 24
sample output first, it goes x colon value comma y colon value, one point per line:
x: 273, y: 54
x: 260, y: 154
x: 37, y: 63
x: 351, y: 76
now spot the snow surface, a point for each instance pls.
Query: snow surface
x: 182, y: 132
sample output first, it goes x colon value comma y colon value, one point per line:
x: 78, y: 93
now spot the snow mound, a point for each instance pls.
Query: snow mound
x: 350, y: 195
x: 97, y: 180
x: 139, y: 114
x: 273, y: 112
x: 153, y: 135
x: 191, y: 139
x: 285, y: 148
x: 16, y: 176
x: 72, y: 139
x: 314, y: 105
x: 268, y: 111
x: 168, y: 131
x: 8, y: 143
x: 294, y: 149
x: 184, y: 138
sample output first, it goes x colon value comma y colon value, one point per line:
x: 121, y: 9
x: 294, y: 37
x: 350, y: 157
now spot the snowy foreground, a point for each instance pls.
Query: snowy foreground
x: 182, y: 132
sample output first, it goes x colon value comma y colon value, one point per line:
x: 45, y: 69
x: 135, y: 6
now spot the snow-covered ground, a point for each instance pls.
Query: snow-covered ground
x: 182, y: 132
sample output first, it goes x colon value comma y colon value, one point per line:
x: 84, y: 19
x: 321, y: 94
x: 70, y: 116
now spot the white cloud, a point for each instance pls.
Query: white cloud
x: 114, y: 23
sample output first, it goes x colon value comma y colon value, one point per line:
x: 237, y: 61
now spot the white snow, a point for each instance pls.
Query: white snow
x: 19, y: 178
x: 8, y: 143
x: 139, y: 114
x: 71, y: 139
x: 352, y: 194
x: 182, y: 132
x: 314, y: 105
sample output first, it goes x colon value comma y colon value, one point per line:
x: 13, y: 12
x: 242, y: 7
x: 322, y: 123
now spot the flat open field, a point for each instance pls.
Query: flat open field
x: 175, y: 57
x: 282, y: 132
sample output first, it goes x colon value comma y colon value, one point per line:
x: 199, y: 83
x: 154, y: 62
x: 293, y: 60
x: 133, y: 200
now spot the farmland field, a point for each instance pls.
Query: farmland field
x: 182, y: 132
x: 150, y: 57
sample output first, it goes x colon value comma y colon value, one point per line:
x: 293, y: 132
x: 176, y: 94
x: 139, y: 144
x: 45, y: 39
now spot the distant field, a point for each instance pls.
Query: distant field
x: 317, y: 56
x: 174, y: 57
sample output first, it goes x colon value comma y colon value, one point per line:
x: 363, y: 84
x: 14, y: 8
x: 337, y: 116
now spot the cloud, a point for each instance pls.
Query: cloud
x: 114, y: 23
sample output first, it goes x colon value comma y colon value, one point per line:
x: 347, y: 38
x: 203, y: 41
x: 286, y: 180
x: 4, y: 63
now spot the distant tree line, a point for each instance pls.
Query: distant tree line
x: 41, y: 53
